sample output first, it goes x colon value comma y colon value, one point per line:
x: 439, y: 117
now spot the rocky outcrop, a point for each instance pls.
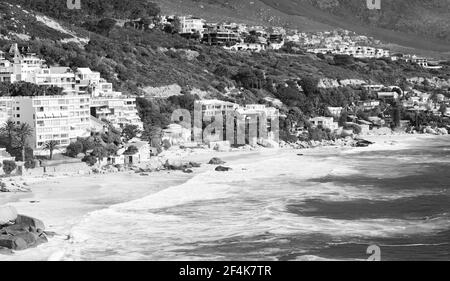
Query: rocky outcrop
x: 429, y: 130
x: 12, y: 185
x: 216, y: 161
x: 341, y: 142
x: 20, y: 233
x: 328, y: 83
x: 352, y: 82
x: 434, y: 82
x: 223, y: 169
x: 362, y: 143
x: 435, y: 131
x: 442, y: 131
x: 181, y: 166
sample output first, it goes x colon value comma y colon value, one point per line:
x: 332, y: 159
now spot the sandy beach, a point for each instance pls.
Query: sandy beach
x: 63, y: 202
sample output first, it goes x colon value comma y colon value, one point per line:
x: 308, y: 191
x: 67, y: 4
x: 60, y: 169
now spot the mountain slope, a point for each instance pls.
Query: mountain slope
x: 253, y: 12
x: 135, y: 59
x: 403, y: 22
x: 419, y: 26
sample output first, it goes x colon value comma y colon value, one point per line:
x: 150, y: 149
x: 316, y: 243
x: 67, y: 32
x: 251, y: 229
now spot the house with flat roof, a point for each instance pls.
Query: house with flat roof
x: 324, y: 123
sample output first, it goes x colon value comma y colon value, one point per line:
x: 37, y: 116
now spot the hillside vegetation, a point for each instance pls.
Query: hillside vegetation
x: 403, y: 24
x: 133, y: 59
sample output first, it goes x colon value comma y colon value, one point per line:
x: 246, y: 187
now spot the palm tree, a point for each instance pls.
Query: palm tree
x: 22, y: 133
x: 51, y: 146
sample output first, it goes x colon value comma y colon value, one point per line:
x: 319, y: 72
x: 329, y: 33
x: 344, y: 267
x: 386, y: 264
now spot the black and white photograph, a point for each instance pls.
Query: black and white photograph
x: 247, y: 131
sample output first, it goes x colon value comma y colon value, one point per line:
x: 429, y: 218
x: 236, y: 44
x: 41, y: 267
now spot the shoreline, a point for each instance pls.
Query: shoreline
x: 61, y: 203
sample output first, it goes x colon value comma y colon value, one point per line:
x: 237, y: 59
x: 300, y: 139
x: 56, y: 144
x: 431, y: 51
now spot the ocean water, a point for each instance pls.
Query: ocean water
x: 282, y: 206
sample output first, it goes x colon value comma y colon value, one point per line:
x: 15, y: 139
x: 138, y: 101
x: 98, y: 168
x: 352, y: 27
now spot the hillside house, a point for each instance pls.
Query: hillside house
x: 324, y: 123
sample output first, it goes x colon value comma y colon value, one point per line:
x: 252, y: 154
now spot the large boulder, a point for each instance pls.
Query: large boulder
x: 22, y: 233
x: 12, y: 185
x: 223, y: 169
x: 429, y: 130
x: 442, y: 131
x: 7, y: 214
x: 216, y: 161
x: 29, y: 222
x: 13, y: 242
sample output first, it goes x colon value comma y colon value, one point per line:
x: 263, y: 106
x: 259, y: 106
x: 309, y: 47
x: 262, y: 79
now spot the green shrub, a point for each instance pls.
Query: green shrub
x: 9, y: 166
x: 90, y: 160
x: 74, y: 149
x: 30, y: 164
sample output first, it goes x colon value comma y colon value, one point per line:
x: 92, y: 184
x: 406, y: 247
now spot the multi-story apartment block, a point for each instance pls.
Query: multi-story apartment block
x: 6, y: 69
x: 5, y: 109
x: 216, y: 107
x: 220, y: 37
x: 23, y: 67
x: 324, y: 122
x: 58, y: 118
x: 117, y: 110
x: 191, y: 25
x: 66, y: 117
x: 252, y: 124
x: 62, y: 77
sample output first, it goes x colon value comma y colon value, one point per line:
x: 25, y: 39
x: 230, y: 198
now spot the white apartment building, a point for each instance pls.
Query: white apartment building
x: 216, y: 107
x: 6, y: 69
x: 263, y: 121
x: 252, y: 47
x: 5, y: 109
x: 62, y: 77
x: 62, y: 118
x: 23, y: 67
x: 117, y: 110
x: 59, y: 118
x: 192, y: 25
x: 335, y: 111
x: 324, y: 122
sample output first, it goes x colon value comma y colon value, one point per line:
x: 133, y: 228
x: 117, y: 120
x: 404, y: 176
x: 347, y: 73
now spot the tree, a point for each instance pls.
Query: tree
x: 443, y: 109
x: 8, y: 131
x: 152, y: 9
x: 176, y: 25
x: 9, y: 166
x: 309, y: 86
x: 106, y: 25
x: 74, y: 149
x: 51, y: 146
x: 90, y: 160
x: 130, y: 131
x: 154, y: 135
x: 22, y: 133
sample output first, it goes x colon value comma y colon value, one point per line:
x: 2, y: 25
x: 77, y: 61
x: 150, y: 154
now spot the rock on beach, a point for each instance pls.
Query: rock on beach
x: 19, y: 232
